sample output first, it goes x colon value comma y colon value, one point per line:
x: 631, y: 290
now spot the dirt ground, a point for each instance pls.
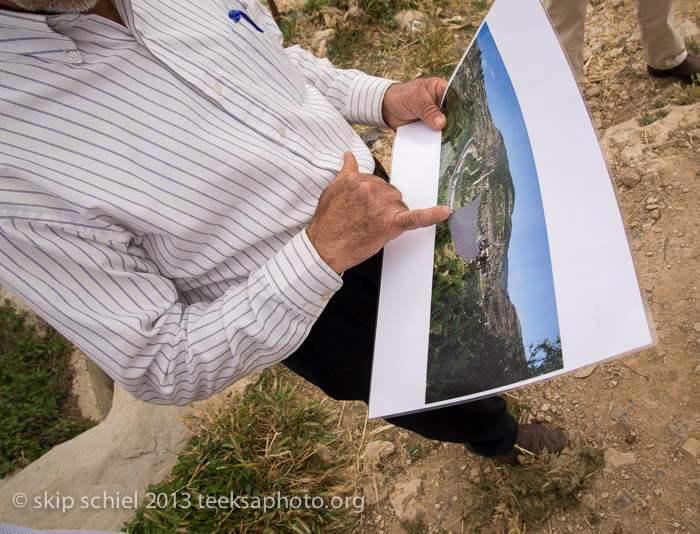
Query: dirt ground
x: 643, y: 409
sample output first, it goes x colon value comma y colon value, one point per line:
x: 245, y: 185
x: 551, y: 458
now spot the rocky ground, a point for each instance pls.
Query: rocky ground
x: 643, y: 409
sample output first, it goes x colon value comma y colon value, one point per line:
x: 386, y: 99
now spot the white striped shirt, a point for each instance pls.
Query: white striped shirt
x: 156, y: 182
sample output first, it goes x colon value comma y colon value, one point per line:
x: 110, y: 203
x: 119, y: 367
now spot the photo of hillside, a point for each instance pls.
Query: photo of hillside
x: 493, y: 314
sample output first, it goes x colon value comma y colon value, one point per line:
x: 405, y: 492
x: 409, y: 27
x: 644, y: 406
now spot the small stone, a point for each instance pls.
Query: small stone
x: 546, y: 407
x: 376, y: 453
x: 604, y: 495
x: 403, y: 501
x: 658, y: 492
x: 589, y: 501
x: 630, y: 178
x: 696, y: 327
x: 593, y: 92
x: 615, y: 459
x: 322, y: 42
x: 615, y: 52
x: 692, y: 446
x: 409, y: 20
x: 619, y: 415
x: 624, y: 499
x: 585, y: 372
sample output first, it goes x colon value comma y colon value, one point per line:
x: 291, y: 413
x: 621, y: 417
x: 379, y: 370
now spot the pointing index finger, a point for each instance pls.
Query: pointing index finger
x: 421, y: 218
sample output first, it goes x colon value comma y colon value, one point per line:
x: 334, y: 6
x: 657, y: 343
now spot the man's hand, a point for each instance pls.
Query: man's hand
x: 415, y: 100
x: 359, y: 213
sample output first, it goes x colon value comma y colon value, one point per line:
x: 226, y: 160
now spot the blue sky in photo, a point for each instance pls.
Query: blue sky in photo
x: 530, y: 283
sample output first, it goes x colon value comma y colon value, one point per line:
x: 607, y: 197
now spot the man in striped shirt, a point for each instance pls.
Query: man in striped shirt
x: 181, y: 195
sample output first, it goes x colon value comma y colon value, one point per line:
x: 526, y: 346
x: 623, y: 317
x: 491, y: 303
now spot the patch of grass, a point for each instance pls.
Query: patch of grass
x: 415, y: 527
x: 648, y: 118
x: 272, y: 444
x: 525, y: 496
x: 310, y: 6
x: 630, y: 73
x: 692, y: 46
x: 480, y: 5
x: 413, y: 450
x: 685, y: 95
x: 384, y: 10
x: 35, y: 379
x: 431, y: 52
x: 515, y: 408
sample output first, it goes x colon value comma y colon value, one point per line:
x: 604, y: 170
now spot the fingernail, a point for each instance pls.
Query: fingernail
x: 446, y: 210
x: 439, y: 121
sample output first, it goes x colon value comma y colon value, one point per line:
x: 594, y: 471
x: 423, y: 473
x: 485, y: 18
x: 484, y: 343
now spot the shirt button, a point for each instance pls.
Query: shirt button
x: 73, y: 57
x: 282, y: 132
x: 217, y: 89
x: 326, y: 296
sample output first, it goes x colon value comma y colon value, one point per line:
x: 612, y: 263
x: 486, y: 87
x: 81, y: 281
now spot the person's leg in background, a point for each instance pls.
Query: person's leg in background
x: 664, y: 48
x: 569, y: 18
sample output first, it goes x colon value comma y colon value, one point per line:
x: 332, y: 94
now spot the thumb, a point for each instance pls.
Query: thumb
x: 432, y: 116
x: 349, y: 163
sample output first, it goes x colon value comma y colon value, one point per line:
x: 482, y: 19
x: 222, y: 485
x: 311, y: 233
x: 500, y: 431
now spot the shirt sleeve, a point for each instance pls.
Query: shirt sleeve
x: 356, y: 95
x: 100, y: 291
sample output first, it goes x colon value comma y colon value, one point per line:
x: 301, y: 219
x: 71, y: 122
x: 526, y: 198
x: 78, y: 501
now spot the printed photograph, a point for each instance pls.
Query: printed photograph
x: 493, y: 315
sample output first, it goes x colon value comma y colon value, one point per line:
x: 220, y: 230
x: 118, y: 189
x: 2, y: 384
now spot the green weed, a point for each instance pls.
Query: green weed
x: 685, y: 95
x: 35, y: 379
x: 271, y: 443
x: 692, y: 46
x: 648, y: 118
x: 530, y: 493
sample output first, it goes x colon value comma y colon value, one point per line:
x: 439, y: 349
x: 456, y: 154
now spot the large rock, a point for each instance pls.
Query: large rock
x: 96, y: 480
x: 92, y: 387
x: 632, y: 145
x: 137, y: 444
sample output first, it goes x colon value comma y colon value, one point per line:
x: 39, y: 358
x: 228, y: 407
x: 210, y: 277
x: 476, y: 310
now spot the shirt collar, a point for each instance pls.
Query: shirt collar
x: 32, y: 34
x: 40, y: 36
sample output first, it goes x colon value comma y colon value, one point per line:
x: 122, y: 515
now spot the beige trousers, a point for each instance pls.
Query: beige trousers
x: 664, y: 48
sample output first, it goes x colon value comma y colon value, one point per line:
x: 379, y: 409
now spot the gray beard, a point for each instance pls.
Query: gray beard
x: 56, y: 6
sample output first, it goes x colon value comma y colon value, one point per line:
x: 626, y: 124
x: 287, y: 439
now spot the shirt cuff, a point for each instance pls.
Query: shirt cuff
x: 365, y: 97
x: 301, y: 278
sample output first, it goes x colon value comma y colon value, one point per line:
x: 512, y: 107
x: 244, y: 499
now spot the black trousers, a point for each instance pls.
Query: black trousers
x: 337, y: 357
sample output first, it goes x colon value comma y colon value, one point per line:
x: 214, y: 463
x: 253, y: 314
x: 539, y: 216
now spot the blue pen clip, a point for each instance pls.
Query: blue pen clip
x: 236, y: 15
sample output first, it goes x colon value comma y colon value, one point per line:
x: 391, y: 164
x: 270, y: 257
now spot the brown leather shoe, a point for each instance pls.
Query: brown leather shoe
x: 533, y: 440
x: 685, y: 71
